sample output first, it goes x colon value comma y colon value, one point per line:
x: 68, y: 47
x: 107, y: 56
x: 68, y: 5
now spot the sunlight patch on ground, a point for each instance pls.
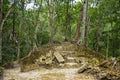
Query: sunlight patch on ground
x: 46, y: 74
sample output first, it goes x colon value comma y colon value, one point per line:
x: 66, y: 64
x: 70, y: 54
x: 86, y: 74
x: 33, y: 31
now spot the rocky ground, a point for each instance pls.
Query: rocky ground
x: 64, y: 61
x: 46, y: 74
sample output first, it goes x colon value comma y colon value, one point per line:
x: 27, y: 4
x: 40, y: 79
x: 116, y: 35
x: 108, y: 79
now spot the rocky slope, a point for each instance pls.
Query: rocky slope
x: 64, y: 61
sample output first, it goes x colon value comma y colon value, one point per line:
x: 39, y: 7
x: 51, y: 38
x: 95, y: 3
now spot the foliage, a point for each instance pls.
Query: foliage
x: 105, y: 15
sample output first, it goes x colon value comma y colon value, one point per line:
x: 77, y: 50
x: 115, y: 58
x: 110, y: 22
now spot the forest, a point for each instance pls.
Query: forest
x: 27, y: 25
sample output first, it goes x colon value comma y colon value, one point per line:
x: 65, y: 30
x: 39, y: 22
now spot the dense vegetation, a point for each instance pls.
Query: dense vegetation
x: 22, y: 28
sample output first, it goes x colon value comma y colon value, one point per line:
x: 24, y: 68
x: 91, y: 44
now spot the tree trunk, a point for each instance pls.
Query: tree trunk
x: 0, y: 45
x: 98, y: 34
x: 1, y: 3
x: 1, y: 25
x: 86, y: 32
x: 107, y: 48
x: 13, y: 32
x: 51, y: 17
x: 82, y: 38
x: 98, y: 37
x: 51, y: 28
x: 19, y: 30
x: 36, y: 27
x: 67, y: 22
x: 77, y: 33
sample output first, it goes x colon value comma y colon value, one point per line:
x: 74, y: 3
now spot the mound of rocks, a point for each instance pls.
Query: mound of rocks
x: 67, y: 55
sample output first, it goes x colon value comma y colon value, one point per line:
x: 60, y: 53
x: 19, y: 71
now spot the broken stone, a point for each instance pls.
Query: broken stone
x: 59, y: 48
x: 48, y: 61
x: 59, y: 57
x: 103, y: 64
x: 26, y: 68
x: 40, y: 60
x: 83, y: 67
x: 49, y: 54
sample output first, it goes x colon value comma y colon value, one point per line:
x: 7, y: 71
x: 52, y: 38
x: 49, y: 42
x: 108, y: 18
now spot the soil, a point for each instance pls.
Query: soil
x: 47, y: 74
x: 41, y: 64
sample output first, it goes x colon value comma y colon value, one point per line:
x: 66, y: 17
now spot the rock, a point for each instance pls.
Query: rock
x: 48, y: 61
x: 25, y: 68
x: 103, y: 64
x: 58, y: 48
x: 59, y: 57
x: 104, y: 78
x: 40, y: 60
x: 83, y: 67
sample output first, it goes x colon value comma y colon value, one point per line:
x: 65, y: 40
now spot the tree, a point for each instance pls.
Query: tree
x: 2, y: 20
x: 67, y: 37
x: 58, y: 20
x: 1, y: 3
x: 102, y: 15
x: 84, y: 24
x: 50, y: 4
x: 77, y: 33
x: 19, y: 30
x: 36, y: 25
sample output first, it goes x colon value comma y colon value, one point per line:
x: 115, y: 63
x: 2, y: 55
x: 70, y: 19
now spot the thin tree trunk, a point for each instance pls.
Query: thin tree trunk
x: 19, y: 30
x: 77, y: 33
x: 82, y: 39
x: 107, y: 48
x: 98, y: 37
x: 87, y: 31
x: 2, y: 20
x: 51, y: 29
x: 13, y: 32
x: 36, y: 26
x: 51, y: 18
x: 67, y: 22
x: 1, y: 3
x: 0, y: 46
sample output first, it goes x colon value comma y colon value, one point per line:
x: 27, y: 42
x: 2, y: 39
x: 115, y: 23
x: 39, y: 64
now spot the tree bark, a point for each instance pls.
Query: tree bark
x: 107, y: 47
x: 98, y: 37
x: 19, y: 30
x: 67, y: 22
x: 36, y: 26
x: 1, y: 3
x: 108, y: 42
x: 51, y: 17
x: 13, y: 32
x: 2, y: 20
x: 77, y: 33
x: 86, y: 33
x: 82, y: 38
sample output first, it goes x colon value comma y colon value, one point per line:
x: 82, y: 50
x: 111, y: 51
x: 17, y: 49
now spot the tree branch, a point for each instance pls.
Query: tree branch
x: 4, y: 19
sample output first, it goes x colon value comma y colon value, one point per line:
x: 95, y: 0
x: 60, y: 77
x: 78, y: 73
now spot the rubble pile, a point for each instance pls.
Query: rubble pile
x: 67, y: 55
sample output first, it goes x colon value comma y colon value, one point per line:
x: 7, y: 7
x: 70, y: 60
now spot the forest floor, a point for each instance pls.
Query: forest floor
x: 64, y: 61
x: 46, y: 74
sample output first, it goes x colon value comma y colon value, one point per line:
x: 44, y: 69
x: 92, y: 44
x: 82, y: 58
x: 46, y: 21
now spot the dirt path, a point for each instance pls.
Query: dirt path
x: 46, y: 74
